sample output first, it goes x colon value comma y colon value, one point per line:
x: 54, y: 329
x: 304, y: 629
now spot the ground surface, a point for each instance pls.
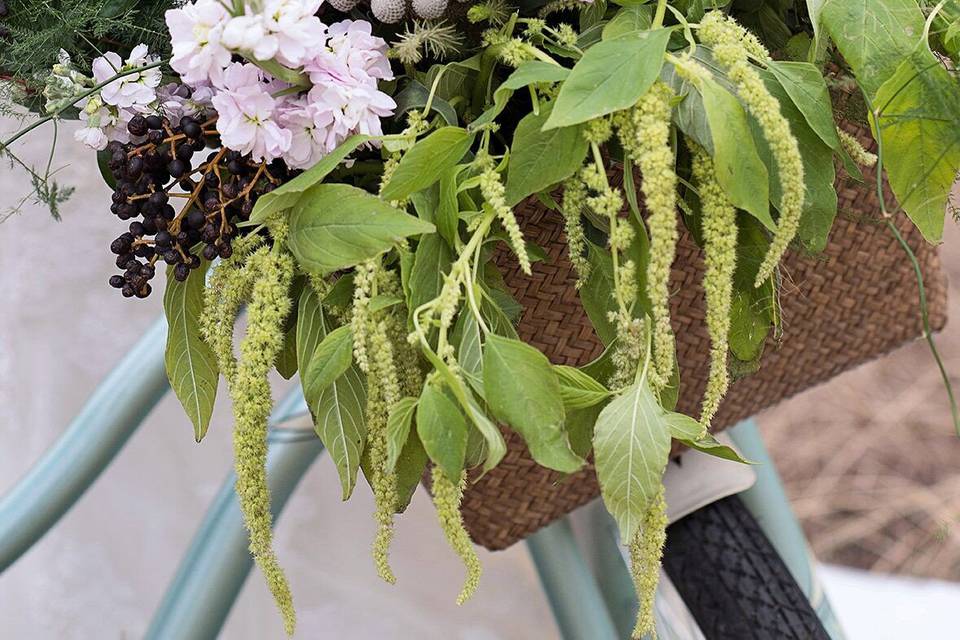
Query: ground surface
x: 871, y: 461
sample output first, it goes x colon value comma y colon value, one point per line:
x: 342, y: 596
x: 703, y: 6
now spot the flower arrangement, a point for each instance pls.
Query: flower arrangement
x: 343, y: 171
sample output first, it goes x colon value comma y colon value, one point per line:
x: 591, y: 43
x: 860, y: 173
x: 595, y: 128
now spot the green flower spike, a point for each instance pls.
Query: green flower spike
x: 382, y: 394
x: 252, y: 403
x: 646, y: 550
x: 574, y: 201
x: 645, y: 135
x: 720, y: 239
x: 493, y: 192
x: 732, y: 51
x: 447, y: 497
x: 855, y: 150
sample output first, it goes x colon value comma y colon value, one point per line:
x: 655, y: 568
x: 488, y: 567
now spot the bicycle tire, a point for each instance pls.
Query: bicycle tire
x: 732, y: 579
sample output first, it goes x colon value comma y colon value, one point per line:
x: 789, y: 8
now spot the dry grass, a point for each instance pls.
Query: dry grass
x: 871, y: 461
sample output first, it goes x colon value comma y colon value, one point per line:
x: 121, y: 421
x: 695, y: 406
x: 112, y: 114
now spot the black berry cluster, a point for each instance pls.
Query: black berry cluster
x: 183, y: 211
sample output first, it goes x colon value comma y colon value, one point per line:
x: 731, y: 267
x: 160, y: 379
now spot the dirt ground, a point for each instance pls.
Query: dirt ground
x: 871, y: 460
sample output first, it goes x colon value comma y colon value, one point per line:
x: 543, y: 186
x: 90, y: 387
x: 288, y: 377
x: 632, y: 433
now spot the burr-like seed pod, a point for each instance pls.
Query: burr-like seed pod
x: 343, y: 5
x: 388, y: 11
x: 429, y: 9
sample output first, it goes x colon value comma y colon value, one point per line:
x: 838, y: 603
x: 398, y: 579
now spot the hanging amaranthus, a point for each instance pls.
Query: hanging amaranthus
x: 732, y: 50
x: 720, y: 248
x: 645, y: 136
x: 646, y: 550
x: 574, y: 200
x: 855, y: 150
x: 375, y: 355
x: 447, y: 497
x: 252, y: 403
x: 494, y: 193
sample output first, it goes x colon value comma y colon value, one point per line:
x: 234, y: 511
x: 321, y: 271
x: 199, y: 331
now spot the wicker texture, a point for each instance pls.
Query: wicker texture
x: 854, y: 302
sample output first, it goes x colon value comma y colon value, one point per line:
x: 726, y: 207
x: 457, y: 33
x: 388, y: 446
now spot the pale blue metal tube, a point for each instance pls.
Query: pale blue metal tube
x: 212, y: 573
x: 609, y: 569
x: 577, y: 604
x: 94, y: 437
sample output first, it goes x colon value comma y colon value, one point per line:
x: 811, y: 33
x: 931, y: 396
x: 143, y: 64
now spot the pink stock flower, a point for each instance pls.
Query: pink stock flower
x: 196, y: 30
x: 308, y: 142
x: 246, y: 109
x: 351, y: 108
x: 351, y: 53
x: 295, y: 27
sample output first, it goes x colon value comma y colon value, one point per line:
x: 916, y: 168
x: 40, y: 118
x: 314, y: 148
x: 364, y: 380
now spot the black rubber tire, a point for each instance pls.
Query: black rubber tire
x: 732, y: 579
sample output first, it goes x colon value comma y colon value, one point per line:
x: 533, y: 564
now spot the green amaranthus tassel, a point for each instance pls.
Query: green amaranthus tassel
x: 732, y: 51
x: 646, y: 550
x: 383, y: 391
x: 720, y: 240
x: 645, y: 135
x: 252, y: 403
x: 447, y: 497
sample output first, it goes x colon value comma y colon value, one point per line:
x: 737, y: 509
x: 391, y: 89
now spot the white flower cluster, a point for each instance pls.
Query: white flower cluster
x: 258, y: 114
x: 107, y: 113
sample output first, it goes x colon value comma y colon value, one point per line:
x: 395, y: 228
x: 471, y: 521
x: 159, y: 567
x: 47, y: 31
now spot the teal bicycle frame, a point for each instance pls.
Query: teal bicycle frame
x: 590, y: 600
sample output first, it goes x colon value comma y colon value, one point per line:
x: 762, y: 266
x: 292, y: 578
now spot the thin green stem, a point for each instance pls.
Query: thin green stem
x: 918, y: 272
x: 660, y: 14
x: 927, y: 331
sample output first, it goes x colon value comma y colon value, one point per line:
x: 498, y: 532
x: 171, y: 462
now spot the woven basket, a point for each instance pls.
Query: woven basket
x: 854, y: 302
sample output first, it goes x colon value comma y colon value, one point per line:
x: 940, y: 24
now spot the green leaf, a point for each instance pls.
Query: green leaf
x: 409, y: 470
x: 920, y: 129
x: 579, y: 426
x: 426, y: 161
x: 496, y: 447
x: 628, y: 20
x: 430, y: 264
x: 469, y: 343
x: 542, y: 158
x: 579, y: 390
x: 384, y: 301
x: 740, y: 170
x: 874, y: 36
x: 448, y: 209
x: 442, y: 430
x: 523, y: 391
x: 751, y: 313
x: 596, y: 294
x: 688, y: 431
x: 690, y: 114
x: 286, y: 363
x: 335, y: 226
x: 103, y: 163
x: 807, y: 89
x: 287, y: 194
x: 398, y: 429
x: 814, y: 9
x: 330, y: 360
x: 337, y: 409
x: 612, y: 75
x: 631, y: 444
x: 190, y: 363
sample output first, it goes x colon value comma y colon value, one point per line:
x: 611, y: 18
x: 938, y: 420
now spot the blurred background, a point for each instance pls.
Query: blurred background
x: 870, y: 462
